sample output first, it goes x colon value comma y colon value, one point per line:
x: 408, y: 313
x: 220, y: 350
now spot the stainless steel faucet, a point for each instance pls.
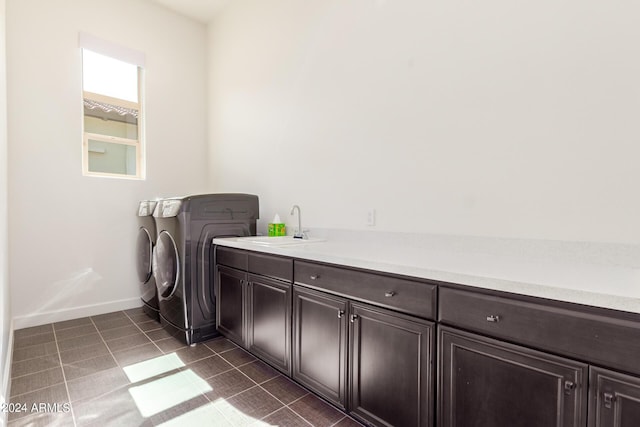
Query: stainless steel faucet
x: 299, y: 234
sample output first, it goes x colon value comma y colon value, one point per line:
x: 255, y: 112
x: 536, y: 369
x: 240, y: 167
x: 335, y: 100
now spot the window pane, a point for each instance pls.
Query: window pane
x: 107, y: 76
x: 105, y: 119
x: 109, y: 157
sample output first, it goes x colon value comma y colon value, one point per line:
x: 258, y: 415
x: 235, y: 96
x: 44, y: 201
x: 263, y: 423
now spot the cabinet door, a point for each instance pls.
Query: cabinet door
x: 269, y: 321
x: 614, y: 399
x: 390, y: 367
x: 230, y: 297
x: 320, y: 343
x: 488, y: 383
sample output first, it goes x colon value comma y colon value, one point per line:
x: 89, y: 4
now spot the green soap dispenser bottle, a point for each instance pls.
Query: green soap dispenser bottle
x: 277, y: 227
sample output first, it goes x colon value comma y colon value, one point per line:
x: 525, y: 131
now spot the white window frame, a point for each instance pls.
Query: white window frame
x: 138, y: 143
x: 103, y: 47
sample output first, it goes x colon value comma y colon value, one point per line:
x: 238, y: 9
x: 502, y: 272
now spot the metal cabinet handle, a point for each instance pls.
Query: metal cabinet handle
x: 493, y: 318
x: 353, y: 318
x: 608, y: 400
x: 389, y: 294
x: 569, y: 386
x: 314, y: 277
x: 340, y: 314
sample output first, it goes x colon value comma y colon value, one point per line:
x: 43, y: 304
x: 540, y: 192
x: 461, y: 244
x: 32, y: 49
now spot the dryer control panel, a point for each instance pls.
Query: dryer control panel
x: 167, y: 208
x: 146, y: 207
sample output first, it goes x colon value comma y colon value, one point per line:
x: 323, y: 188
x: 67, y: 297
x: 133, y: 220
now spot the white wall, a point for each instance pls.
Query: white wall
x: 501, y: 118
x: 5, y: 303
x: 72, y: 238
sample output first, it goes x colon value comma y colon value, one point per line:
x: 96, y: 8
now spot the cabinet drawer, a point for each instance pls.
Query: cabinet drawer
x: 271, y: 266
x: 231, y: 257
x: 592, y: 337
x: 399, y: 294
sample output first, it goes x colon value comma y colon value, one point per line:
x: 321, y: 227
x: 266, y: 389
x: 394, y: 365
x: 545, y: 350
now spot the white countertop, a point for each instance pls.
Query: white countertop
x: 597, y: 274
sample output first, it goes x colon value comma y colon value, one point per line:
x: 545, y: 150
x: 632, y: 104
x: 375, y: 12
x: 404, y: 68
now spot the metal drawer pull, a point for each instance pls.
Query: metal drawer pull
x: 493, y: 318
x: 608, y: 400
x: 569, y: 386
x: 353, y: 318
x: 340, y: 314
x: 314, y: 277
x: 389, y: 294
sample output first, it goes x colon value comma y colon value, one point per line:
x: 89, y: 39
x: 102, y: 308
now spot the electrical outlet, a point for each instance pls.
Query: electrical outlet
x: 371, y: 217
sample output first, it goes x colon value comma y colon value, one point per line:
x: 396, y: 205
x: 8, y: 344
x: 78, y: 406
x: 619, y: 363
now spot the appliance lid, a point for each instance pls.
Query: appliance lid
x: 146, y: 207
x: 167, y: 208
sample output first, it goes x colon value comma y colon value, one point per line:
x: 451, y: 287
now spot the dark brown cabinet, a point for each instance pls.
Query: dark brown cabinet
x: 254, y: 303
x: 385, y: 375
x: 382, y: 290
x: 488, y: 383
x: 364, y: 341
x: 592, y: 335
x: 320, y: 343
x: 576, y: 332
x: 269, y: 320
x: 230, y: 313
x: 390, y: 367
x: 614, y: 399
x: 387, y: 356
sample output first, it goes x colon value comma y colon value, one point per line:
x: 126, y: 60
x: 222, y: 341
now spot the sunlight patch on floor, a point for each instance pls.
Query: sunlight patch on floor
x: 235, y: 415
x: 151, y: 368
x: 164, y: 393
x: 203, y: 416
x: 210, y: 415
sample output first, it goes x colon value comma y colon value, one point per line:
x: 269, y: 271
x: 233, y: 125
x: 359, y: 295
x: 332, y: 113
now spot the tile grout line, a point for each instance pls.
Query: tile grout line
x: 143, y: 333
x: 31, y: 358
x: 28, y: 347
x: 339, y: 421
x: 154, y: 341
x: 221, y: 354
x: 233, y: 368
x: 230, y: 422
x: 114, y: 359
x: 111, y: 353
x: 35, y: 372
x: 284, y: 405
x: 279, y: 374
x: 104, y: 342
x: 79, y: 336
x: 163, y: 353
x: 36, y: 389
x: 135, y: 346
x: 64, y: 376
x: 288, y: 405
x: 280, y: 401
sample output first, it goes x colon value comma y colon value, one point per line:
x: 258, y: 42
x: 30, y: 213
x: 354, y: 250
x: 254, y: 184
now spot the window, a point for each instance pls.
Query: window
x: 113, y: 137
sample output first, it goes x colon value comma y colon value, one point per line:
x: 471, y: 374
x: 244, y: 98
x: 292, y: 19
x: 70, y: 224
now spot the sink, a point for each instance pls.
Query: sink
x: 278, y: 241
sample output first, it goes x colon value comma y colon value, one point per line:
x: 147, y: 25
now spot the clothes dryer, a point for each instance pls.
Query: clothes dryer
x: 145, y: 244
x: 181, y: 263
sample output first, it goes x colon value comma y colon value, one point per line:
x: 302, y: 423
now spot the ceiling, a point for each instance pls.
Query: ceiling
x: 200, y: 10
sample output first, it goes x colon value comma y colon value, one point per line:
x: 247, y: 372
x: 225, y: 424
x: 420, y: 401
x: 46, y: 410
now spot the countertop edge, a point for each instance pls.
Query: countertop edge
x: 314, y: 252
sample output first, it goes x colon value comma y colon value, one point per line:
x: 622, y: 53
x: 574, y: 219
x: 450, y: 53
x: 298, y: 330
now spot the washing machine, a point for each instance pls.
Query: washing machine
x: 186, y: 227
x: 145, y: 244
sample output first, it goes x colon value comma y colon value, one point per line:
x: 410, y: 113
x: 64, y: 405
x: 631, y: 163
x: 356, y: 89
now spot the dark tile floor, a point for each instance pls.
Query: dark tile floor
x: 122, y: 369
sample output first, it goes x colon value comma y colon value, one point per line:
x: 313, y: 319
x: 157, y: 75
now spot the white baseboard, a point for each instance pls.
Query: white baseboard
x: 38, y: 319
x: 6, y: 376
